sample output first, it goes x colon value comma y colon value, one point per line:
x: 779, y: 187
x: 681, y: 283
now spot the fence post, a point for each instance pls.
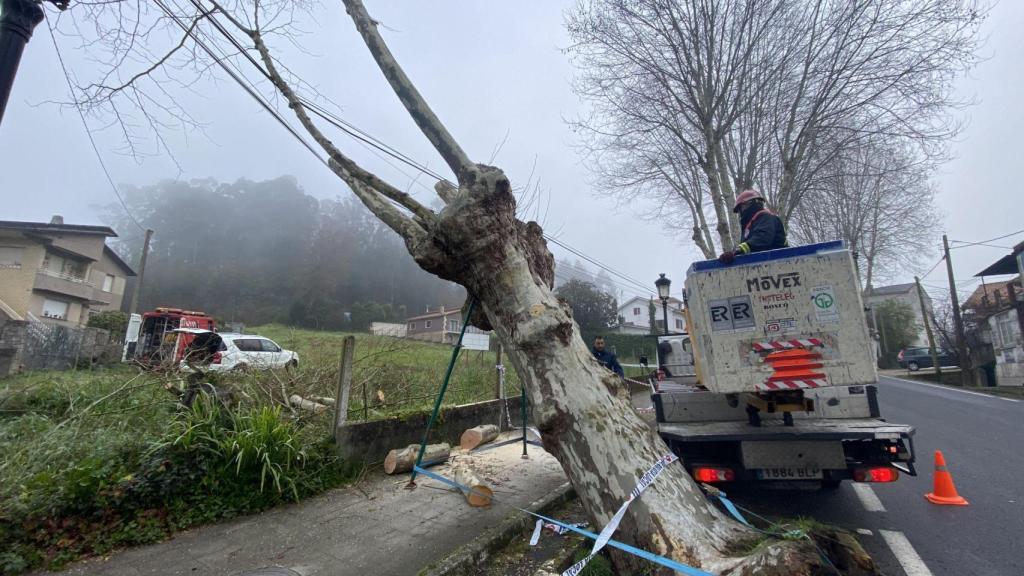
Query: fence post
x: 344, y: 384
x: 497, y: 375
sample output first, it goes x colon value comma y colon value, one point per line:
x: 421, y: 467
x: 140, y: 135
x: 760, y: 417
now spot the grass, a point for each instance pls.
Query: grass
x: 94, y: 460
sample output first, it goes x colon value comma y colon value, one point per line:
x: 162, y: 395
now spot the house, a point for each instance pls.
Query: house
x: 907, y: 294
x: 1000, y: 313
x: 441, y: 325
x: 59, y: 273
x: 635, y: 316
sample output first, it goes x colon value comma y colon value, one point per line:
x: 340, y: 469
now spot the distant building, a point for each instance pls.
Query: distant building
x: 907, y: 294
x: 442, y: 325
x: 59, y: 273
x: 998, y: 311
x: 388, y: 329
x: 635, y: 316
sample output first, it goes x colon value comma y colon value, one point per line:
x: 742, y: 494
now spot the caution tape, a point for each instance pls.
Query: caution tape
x: 660, y: 560
x: 606, y: 533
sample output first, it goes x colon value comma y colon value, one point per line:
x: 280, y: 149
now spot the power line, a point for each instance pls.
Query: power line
x: 989, y: 240
x: 88, y: 131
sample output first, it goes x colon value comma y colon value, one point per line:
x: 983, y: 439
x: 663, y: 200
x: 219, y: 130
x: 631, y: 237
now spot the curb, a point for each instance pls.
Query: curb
x: 466, y: 559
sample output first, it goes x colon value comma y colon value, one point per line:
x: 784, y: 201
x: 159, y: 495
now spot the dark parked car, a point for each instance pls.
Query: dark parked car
x: 914, y: 359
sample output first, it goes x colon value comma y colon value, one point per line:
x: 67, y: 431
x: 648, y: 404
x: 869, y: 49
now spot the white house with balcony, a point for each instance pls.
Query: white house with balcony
x: 635, y: 316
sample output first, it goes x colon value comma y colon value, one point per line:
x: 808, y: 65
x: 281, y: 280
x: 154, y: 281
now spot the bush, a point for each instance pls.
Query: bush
x: 114, y: 321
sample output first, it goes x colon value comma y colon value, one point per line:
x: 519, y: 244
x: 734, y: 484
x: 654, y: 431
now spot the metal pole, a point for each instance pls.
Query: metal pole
x: 664, y: 309
x: 440, y: 395
x: 142, y: 273
x: 497, y: 374
x: 958, y: 322
x: 928, y: 330
x: 18, y: 18
x: 522, y: 409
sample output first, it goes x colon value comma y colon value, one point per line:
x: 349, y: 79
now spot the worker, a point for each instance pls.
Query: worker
x: 762, y: 229
x: 606, y: 358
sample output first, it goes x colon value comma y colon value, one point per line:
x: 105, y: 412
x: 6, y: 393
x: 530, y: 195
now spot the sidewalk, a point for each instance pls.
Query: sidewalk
x: 377, y: 527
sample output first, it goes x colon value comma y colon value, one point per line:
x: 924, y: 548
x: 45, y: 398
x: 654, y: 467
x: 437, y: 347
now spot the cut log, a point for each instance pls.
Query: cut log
x: 304, y: 404
x: 402, y: 459
x: 479, y: 494
x: 476, y: 436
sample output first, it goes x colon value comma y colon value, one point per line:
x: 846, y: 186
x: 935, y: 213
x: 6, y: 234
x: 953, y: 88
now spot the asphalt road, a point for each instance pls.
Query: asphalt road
x: 982, y: 439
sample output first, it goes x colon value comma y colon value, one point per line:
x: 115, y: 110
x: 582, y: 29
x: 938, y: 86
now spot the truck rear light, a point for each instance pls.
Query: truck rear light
x: 216, y: 358
x: 877, y: 474
x: 710, y: 475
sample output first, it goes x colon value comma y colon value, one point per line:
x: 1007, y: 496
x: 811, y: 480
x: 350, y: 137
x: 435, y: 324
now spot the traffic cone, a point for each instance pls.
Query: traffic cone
x: 944, y: 492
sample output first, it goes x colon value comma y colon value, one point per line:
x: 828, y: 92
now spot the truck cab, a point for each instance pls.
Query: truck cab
x: 775, y: 380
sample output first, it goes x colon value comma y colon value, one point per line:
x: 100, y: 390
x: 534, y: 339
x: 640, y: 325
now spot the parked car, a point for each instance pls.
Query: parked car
x: 222, y: 352
x: 914, y: 359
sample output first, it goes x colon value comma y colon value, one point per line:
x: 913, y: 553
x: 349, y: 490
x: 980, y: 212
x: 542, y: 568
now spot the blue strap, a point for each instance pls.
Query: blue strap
x: 661, y: 560
x: 732, y: 509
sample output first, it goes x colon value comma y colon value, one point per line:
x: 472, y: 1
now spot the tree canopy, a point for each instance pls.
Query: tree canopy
x: 591, y: 308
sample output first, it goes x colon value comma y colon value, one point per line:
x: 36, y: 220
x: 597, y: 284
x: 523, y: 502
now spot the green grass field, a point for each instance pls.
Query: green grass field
x: 91, y: 460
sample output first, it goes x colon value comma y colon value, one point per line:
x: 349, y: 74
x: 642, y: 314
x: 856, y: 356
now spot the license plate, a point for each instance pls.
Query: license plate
x: 789, y: 474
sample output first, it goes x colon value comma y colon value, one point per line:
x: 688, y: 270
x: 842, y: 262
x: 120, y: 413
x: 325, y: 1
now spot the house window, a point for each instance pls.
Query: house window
x: 55, y: 309
x: 427, y: 324
x: 10, y: 256
x: 679, y: 323
x: 412, y: 325
x: 108, y: 283
x: 1006, y: 326
x: 636, y: 311
x: 454, y: 325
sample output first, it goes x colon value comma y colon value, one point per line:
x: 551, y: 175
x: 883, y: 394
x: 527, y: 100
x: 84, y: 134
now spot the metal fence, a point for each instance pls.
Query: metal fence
x: 54, y: 347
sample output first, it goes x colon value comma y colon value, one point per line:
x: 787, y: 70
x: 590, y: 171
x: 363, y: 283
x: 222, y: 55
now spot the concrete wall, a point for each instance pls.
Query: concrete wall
x: 12, y: 341
x: 88, y: 245
x: 369, y: 442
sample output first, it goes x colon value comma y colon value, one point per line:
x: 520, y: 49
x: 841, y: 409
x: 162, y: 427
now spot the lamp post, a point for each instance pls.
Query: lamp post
x: 664, y: 285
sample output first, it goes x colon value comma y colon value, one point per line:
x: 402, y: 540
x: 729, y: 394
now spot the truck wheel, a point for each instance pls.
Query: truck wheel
x: 913, y: 366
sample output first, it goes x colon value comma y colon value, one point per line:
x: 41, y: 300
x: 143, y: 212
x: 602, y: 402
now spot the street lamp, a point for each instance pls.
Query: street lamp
x: 664, y: 285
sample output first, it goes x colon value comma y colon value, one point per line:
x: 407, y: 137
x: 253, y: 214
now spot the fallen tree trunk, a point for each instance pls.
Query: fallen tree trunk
x: 479, y: 494
x: 479, y: 435
x: 402, y: 460
x: 304, y: 404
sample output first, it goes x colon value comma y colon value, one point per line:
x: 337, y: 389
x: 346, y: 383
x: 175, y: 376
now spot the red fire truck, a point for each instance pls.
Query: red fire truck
x: 159, y: 344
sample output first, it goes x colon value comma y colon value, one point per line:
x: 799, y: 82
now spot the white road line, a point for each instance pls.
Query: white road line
x: 905, y: 553
x: 949, y: 388
x: 867, y: 497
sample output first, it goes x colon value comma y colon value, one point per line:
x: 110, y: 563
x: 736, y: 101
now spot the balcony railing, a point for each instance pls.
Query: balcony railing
x: 65, y: 284
x: 63, y: 276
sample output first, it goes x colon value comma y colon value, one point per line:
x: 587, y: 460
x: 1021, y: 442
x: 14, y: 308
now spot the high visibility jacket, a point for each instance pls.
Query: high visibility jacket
x: 763, y: 231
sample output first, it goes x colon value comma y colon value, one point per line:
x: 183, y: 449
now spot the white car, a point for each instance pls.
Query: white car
x: 222, y: 352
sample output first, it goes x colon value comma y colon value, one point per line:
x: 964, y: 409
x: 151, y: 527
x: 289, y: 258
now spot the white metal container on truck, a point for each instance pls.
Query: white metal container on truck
x: 783, y: 383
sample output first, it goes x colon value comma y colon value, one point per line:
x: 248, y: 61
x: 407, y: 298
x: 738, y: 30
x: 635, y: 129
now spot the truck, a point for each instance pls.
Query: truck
x: 160, y: 338
x: 775, y: 378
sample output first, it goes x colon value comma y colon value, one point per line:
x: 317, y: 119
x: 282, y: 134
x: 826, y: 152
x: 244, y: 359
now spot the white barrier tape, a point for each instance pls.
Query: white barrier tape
x: 606, y: 533
x: 562, y: 530
x: 536, y: 533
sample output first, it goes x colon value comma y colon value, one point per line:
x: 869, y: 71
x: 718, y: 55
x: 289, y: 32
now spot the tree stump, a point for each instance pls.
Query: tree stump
x: 402, y: 460
x: 476, y: 436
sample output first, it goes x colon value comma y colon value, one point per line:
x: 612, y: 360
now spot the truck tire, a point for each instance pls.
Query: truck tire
x: 913, y: 366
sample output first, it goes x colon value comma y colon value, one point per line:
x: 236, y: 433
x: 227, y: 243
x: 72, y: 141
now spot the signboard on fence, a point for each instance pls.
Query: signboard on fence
x: 472, y: 341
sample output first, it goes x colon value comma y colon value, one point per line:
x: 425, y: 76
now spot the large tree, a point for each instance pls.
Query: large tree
x: 693, y: 100
x: 475, y: 239
x: 592, y: 308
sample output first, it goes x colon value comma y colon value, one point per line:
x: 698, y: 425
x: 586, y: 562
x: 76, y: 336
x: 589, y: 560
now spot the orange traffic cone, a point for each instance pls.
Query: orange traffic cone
x: 944, y: 492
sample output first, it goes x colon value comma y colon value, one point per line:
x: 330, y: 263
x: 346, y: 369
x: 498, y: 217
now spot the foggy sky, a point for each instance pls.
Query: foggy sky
x: 487, y: 69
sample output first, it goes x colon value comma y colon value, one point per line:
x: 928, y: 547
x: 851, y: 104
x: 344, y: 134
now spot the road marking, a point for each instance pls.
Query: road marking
x: 951, y: 389
x: 905, y: 553
x: 867, y: 497
x: 865, y: 532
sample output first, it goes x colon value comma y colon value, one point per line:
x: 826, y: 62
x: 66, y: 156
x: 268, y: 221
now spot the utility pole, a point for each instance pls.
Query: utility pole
x: 18, y: 18
x: 958, y: 322
x: 142, y: 273
x: 928, y: 330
